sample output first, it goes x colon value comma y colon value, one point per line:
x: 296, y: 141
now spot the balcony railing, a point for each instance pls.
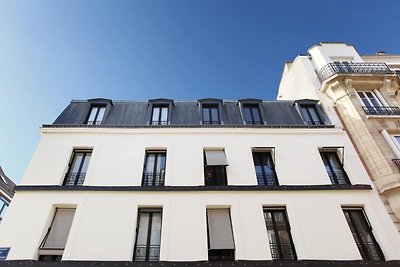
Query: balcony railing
x: 211, y: 122
x: 267, y: 178
x: 75, y: 178
x: 370, y: 251
x: 94, y: 122
x: 284, y: 251
x: 147, y: 253
x: 382, y: 111
x: 338, y: 177
x: 353, y: 68
x: 254, y: 122
x: 153, y: 179
x: 159, y: 123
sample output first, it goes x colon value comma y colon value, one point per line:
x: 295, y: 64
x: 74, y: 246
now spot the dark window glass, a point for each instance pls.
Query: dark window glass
x: 334, y: 167
x: 362, y: 233
x: 78, y: 167
x: 251, y: 114
x: 265, y: 169
x: 154, y: 168
x: 159, y: 115
x: 96, y: 115
x: 3, y: 207
x: 310, y: 115
x: 210, y: 114
x: 148, y: 236
x: 215, y: 167
x: 280, y: 238
x: 54, y: 258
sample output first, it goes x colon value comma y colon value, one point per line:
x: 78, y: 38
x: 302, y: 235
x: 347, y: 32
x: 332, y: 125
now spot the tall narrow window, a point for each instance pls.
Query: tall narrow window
x: 310, y: 115
x: 221, y: 246
x: 265, y: 168
x: 53, y: 244
x: 334, y: 167
x: 215, y: 167
x: 159, y: 115
x: 210, y: 114
x: 251, y: 114
x: 3, y: 207
x: 78, y: 167
x: 148, y: 235
x: 96, y: 115
x: 369, y: 99
x: 280, y: 238
x: 154, y: 168
x: 362, y: 234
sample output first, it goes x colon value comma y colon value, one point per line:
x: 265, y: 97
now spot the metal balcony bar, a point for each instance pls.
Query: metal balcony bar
x: 254, y: 122
x: 338, y: 177
x: 153, y: 179
x: 267, y: 178
x: 75, y: 178
x: 284, y: 251
x: 147, y: 253
x: 382, y: 111
x: 353, y: 68
x: 94, y: 122
x: 211, y: 122
x: 370, y: 251
x: 159, y: 123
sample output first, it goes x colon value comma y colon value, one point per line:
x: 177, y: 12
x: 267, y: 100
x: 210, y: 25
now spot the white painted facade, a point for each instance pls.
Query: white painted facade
x: 104, y: 224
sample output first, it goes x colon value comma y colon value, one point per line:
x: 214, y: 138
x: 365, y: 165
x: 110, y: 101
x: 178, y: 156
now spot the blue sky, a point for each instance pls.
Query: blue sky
x: 55, y: 51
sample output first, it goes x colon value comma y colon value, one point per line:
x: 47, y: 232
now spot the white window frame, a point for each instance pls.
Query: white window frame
x: 373, y: 92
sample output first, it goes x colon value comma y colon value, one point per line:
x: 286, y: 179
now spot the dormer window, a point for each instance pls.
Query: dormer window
x: 96, y: 115
x: 159, y: 115
x: 210, y: 114
x: 310, y: 114
x: 251, y: 114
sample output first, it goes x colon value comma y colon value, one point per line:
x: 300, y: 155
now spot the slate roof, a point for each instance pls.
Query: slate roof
x: 278, y: 113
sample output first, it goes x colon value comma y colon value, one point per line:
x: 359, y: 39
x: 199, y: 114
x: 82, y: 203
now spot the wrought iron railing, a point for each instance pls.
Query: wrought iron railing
x: 93, y: 122
x: 283, y: 251
x: 75, y: 178
x: 147, y: 253
x: 211, y: 122
x: 338, y: 177
x: 370, y: 251
x: 382, y: 111
x: 267, y: 178
x: 153, y: 179
x: 159, y: 123
x: 254, y: 122
x: 353, y: 68
x: 317, y: 123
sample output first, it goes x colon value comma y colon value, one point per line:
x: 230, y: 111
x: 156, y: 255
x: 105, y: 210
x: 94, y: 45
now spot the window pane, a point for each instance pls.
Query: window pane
x: 101, y: 114
x: 214, y: 114
x: 86, y: 163
x: 397, y: 138
x: 156, y: 114
x: 314, y: 115
x: 155, y: 239
x: 150, y: 161
x: 256, y: 114
x: 306, y: 115
x: 206, y: 115
x: 77, y: 162
x: 164, y: 114
x: 364, y: 99
x: 247, y: 114
x: 160, y: 168
x: 143, y: 228
x: 92, y: 115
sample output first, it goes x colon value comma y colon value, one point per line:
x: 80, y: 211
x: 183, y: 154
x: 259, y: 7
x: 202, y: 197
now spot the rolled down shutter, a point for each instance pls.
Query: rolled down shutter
x: 220, y: 229
x: 58, y: 235
x: 215, y: 158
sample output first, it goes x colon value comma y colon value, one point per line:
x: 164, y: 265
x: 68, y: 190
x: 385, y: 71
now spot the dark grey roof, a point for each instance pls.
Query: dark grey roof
x: 182, y: 113
x: 6, y: 185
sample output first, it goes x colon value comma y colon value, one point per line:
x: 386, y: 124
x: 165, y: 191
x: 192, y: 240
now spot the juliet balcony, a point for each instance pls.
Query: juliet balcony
x: 332, y: 69
x: 382, y: 111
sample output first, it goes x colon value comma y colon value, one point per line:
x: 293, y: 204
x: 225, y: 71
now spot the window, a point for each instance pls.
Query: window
x: 280, y: 238
x: 334, y: 166
x: 310, y: 115
x: 159, y: 115
x: 3, y: 179
x: 221, y: 246
x: 369, y: 99
x: 96, y: 115
x: 215, y: 167
x: 53, y: 244
x: 265, y: 168
x: 148, y: 235
x: 362, y: 234
x: 77, y: 167
x: 251, y: 114
x: 210, y: 114
x: 154, y: 168
x: 3, y: 207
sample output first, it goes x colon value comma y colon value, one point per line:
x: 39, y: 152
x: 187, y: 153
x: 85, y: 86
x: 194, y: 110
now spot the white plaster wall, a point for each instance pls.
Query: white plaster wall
x: 118, y: 155
x: 104, y: 224
x: 322, y: 53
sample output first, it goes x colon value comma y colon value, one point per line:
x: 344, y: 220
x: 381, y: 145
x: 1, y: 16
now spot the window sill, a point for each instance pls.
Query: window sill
x: 193, y: 188
x: 383, y: 116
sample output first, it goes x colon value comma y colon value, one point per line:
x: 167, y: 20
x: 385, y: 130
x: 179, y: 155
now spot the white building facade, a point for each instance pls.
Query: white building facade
x: 197, y: 181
